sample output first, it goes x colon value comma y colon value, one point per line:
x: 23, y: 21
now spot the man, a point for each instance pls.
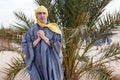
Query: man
x: 42, y: 47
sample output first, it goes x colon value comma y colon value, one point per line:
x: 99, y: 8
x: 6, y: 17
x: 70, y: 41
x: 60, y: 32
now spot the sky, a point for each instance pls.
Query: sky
x: 27, y: 6
x: 8, y: 6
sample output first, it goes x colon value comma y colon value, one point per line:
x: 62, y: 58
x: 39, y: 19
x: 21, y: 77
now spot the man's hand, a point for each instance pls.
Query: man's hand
x: 41, y: 34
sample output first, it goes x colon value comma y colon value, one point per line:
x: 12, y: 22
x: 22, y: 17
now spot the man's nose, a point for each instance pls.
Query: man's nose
x: 42, y: 14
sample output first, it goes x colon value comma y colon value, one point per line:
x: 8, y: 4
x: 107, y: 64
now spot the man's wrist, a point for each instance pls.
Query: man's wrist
x: 38, y: 38
x: 47, y: 40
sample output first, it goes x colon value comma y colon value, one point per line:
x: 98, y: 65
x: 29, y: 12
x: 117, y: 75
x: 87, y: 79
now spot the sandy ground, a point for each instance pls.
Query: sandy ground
x: 5, y: 57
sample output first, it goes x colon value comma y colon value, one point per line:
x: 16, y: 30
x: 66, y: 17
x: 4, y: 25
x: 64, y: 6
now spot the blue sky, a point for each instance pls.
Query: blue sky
x: 8, y: 6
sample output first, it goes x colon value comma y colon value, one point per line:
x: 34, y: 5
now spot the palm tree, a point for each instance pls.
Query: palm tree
x: 75, y: 15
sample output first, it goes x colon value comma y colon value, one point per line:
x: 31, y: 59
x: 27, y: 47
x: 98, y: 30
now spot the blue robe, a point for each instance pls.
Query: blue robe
x: 43, y: 62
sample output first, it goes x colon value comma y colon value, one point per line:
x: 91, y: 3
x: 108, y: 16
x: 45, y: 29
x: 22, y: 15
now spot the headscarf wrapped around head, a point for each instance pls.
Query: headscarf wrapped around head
x: 41, y: 9
x: 52, y: 26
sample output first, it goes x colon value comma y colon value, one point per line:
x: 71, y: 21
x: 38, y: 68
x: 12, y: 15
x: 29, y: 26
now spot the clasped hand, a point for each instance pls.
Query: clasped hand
x: 41, y: 35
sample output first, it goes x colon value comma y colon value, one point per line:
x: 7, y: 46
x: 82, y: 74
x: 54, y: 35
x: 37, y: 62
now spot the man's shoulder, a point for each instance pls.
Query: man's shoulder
x: 33, y: 26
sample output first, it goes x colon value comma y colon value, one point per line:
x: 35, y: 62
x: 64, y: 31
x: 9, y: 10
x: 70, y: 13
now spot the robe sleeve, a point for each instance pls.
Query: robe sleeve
x: 27, y: 47
x: 57, y: 50
x: 57, y: 46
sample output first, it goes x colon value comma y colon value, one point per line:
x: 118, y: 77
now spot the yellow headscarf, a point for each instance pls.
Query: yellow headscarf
x: 52, y: 26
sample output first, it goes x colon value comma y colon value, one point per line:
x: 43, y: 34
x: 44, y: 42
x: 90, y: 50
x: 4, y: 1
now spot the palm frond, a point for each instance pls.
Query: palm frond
x: 16, y: 65
x: 26, y: 22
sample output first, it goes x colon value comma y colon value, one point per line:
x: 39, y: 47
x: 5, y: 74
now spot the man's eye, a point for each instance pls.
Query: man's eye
x: 41, y: 13
x: 44, y: 13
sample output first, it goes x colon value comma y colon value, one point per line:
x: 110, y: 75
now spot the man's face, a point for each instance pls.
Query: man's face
x: 42, y: 17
